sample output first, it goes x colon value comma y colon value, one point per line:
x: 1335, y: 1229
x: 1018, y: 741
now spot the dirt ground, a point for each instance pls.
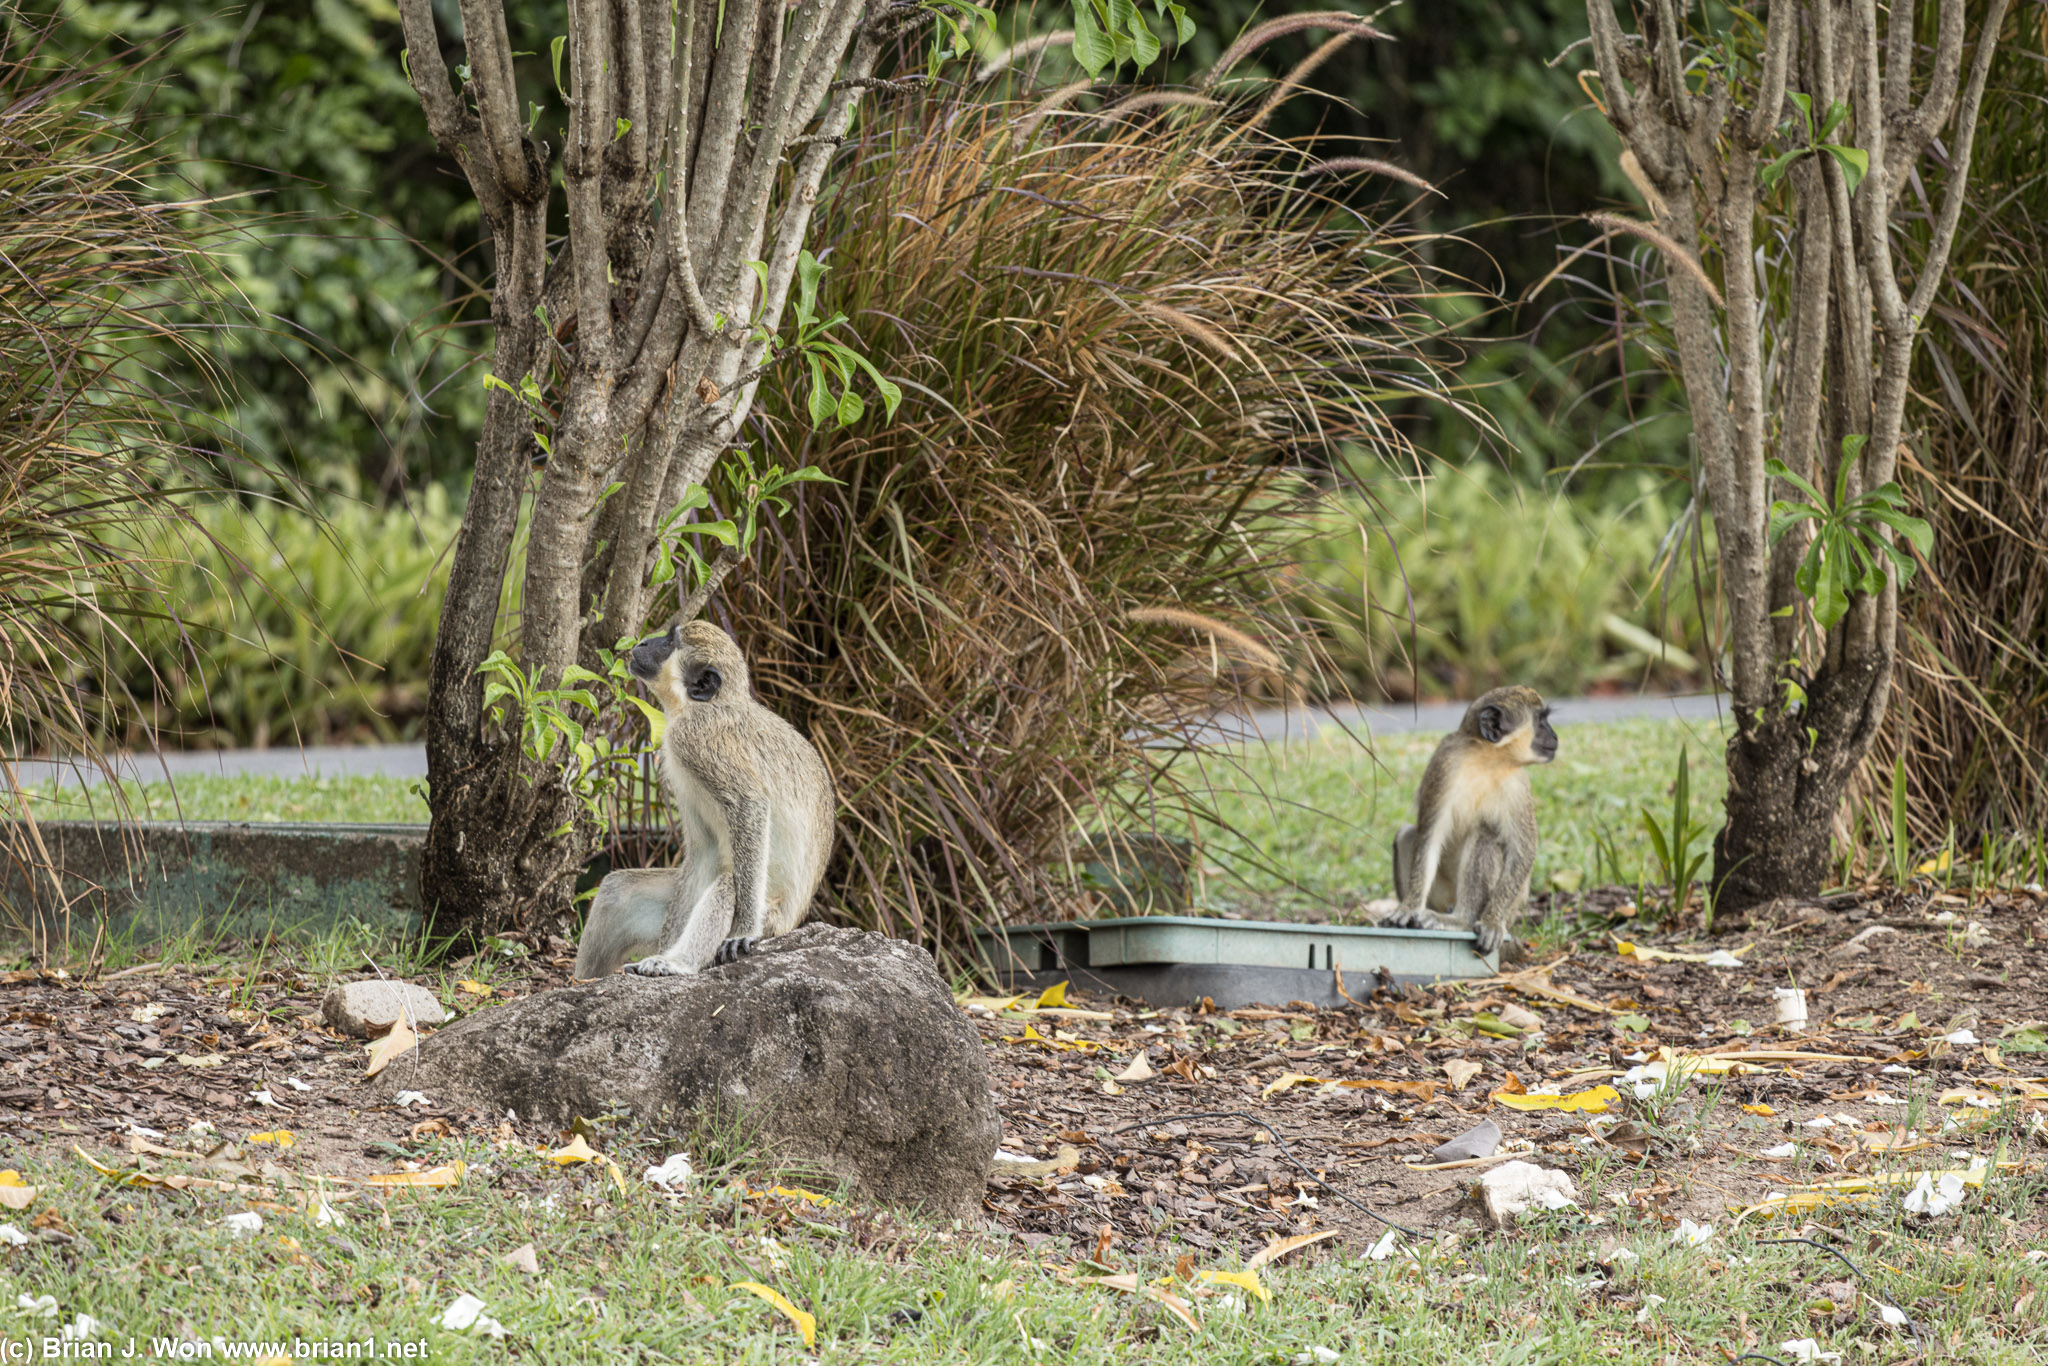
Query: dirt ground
x: 1924, y: 1046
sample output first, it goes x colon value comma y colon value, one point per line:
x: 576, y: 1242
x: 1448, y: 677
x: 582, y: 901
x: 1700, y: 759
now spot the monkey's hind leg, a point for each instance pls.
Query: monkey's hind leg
x: 625, y: 919
x: 1491, y: 891
x: 697, y: 928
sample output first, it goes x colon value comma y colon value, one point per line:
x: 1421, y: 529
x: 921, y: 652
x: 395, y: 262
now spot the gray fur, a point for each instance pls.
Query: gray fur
x: 1465, y: 863
x: 753, y: 802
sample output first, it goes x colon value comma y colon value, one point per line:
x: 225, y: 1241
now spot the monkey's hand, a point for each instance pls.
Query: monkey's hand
x: 732, y: 950
x: 657, y: 967
x: 1489, y: 937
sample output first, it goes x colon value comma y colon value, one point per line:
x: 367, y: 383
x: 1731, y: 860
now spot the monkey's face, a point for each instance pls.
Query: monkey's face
x: 697, y: 663
x: 1515, y: 721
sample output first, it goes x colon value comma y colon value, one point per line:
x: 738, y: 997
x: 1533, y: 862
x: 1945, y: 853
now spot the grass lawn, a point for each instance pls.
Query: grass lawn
x: 623, y: 1273
x: 1304, y: 822
x: 1313, y: 820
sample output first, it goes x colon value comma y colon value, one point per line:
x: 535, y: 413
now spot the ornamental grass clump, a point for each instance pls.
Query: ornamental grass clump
x: 1134, y: 334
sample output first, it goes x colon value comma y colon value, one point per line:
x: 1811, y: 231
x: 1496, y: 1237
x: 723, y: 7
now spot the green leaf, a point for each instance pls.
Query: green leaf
x: 809, y: 271
x: 555, y: 52
x: 1092, y: 48
x: 620, y: 128
x: 1778, y: 469
x: 1805, y: 103
x: 1775, y: 171
x: 1837, y: 111
x: 819, y: 401
x: 1785, y: 516
x: 721, y: 531
x: 850, y: 407
x: 1912, y: 528
x: 1854, y: 161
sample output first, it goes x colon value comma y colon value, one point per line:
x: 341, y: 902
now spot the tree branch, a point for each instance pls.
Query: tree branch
x: 497, y: 94
x: 723, y: 563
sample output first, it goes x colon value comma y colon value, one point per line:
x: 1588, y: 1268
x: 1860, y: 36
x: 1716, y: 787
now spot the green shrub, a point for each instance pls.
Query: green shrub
x: 1508, y: 585
x: 280, y: 627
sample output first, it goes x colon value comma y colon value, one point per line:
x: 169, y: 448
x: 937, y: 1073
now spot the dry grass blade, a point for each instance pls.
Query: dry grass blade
x: 1129, y: 352
x: 83, y: 459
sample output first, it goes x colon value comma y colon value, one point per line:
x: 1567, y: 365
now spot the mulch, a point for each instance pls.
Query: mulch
x: 1331, y: 1110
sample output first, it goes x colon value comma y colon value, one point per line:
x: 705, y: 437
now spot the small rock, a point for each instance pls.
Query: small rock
x: 369, y: 1009
x: 1513, y: 1187
x: 1481, y: 1141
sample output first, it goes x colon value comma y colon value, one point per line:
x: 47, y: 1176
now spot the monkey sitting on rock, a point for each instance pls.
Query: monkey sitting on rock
x: 1464, y: 864
x: 753, y: 802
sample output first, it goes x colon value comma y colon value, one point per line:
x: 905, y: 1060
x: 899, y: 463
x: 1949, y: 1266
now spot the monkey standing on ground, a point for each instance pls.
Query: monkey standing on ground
x: 1464, y: 864
x: 753, y: 801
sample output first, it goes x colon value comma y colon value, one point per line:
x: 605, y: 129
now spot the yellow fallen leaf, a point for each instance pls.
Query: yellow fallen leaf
x: 401, y: 1040
x: 1244, y: 1280
x: 997, y: 1004
x: 449, y: 1175
x: 1031, y: 1035
x: 196, y: 1060
x: 1759, y: 1109
x: 799, y: 1193
x: 575, y: 1150
x: 805, y: 1324
x: 1938, y: 864
x: 15, y: 1193
x: 1964, y: 1095
x: 283, y: 1138
x: 1287, y: 1081
x: 1643, y: 953
x: 1972, y: 1176
x: 1054, y: 995
x: 473, y: 988
x: 1280, y: 1247
x: 1593, y: 1102
x: 1799, y: 1202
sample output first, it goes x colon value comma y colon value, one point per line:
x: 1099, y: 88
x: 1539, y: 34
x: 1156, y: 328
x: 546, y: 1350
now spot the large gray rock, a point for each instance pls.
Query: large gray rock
x: 840, y: 1050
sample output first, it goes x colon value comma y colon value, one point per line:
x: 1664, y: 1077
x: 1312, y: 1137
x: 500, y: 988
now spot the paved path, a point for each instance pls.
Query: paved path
x: 315, y: 761
x: 410, y: 761
x: 1440, y: 718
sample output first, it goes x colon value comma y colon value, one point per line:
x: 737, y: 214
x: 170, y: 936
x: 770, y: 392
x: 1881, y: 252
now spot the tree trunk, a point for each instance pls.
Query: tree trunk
x: 1786, y: 778
x: 1824, y: 98
x: 623, y: 365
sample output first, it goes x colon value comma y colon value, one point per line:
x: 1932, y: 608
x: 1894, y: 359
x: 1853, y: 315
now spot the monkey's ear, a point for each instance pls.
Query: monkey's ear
x: 1489, y: 725
x: 704, y: 684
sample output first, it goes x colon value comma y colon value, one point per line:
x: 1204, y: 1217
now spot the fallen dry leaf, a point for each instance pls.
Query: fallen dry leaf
x: 401, y: 1040
x: 1593, y: 1102
x: 1461, y: 1071
x: 575, y: 1150
x: 473, y: 988
x: 1054, y: 995
x: 1244, y: 1280
x: 524, y: 1259
x: 448, y: 1175
x: 15, y: 1194
x: 283, y: 1138
x: 1280, y: 1247
x: 805, y: 1324
x: 1139, y: 1070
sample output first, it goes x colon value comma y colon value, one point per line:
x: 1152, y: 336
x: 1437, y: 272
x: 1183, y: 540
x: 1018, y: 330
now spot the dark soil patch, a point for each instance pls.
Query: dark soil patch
x: 164, y: 1050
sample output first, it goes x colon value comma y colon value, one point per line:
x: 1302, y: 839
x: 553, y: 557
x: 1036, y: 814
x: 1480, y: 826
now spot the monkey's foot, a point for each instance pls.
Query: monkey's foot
x: 1419, y: 920
x: 732, y: 950
x: 657, y: 967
